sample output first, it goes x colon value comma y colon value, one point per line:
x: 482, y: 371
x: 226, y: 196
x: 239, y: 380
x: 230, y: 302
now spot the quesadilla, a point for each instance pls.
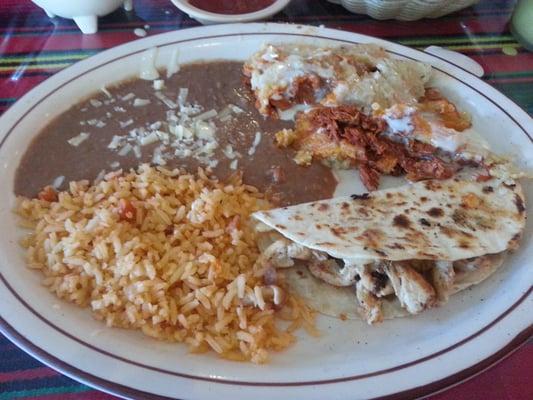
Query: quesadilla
x: 393, y: 252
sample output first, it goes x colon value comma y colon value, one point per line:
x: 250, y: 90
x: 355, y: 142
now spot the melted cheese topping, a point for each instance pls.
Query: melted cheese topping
x: 408, y: 122
x: 358, y: 75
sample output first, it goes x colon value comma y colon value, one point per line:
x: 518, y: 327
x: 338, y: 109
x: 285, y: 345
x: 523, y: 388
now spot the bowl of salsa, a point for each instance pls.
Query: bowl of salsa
x: 226, y: 11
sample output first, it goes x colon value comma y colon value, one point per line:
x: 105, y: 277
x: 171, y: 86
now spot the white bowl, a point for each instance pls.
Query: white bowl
x: 207, y: 18
x: 85, y: 13
x: 404, y: 10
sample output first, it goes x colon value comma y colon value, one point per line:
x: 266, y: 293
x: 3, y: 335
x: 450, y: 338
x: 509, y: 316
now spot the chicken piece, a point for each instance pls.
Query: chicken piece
x: 276, y: 254
x: 443, y: 276
x: 374, y: 279
x: 281, y: 253
x: 332, y: 273
x: 277, y: 251
x: 299, y: 252
x: 413, y: 291
x: 369, y: 305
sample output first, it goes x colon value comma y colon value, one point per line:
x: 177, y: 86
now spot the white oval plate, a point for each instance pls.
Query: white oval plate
x: 407, y: 357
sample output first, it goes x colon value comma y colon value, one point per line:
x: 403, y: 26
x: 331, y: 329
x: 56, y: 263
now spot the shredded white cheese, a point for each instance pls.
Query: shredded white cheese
x: 140, y: 102
x: 169, y: 103
x: 151, y: 138
x: 225, y: 114
x: 95, y: 103
x: 106, y: 92
x: 229, y: 152
x: 157, y: 157
x: 137, y: 151
x: 256, y: 142
x: 159, y: 84
x: 124, y: 124
x: 206, y: 115
x: 58, y: 182
x: 173, y: 65
x: 148, y: 70
x: 99, y: 177
x: 125, y: 150
x: 163, y: 136
x: 79, y: 139
x: 128, y: 97
x: 156, y: 125
x: 182, y: 96
x: 115, y: 142
x: 186, y: 132
x: 235, y: 109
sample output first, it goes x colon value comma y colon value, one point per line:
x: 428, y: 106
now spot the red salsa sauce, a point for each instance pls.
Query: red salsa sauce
x: 231, y: 6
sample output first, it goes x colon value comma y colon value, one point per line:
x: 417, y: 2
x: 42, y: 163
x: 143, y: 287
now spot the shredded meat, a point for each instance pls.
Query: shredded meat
x: 302, y: 91
x: 305, y: 87
x: 432, y: 168
x: 345, y: 122
x: 421, y: 149
x: 375, y: 154
x: 369, y: 176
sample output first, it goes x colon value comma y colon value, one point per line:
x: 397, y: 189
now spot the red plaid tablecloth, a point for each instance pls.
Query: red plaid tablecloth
x: 33, y: 47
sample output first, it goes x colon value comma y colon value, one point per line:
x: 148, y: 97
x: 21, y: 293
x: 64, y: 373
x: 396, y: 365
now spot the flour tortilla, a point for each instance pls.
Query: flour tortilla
x: 341, y: 302
x: 430, y: 220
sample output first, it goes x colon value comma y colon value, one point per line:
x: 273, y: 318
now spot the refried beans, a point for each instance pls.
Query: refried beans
x: 212, y: 85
